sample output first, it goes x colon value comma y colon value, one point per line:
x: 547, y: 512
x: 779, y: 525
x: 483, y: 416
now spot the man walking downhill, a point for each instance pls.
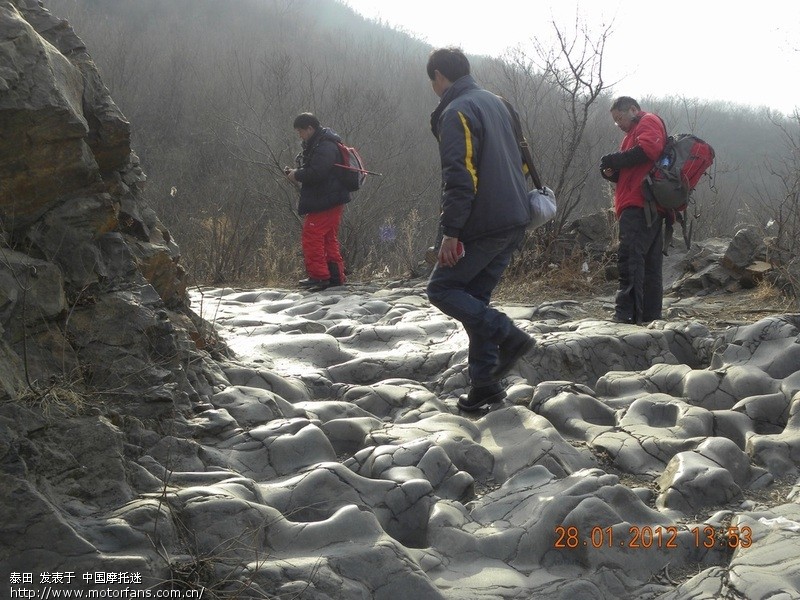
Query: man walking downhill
x: 322, y: 200
x: 640, y: 294
x: 484, y: 211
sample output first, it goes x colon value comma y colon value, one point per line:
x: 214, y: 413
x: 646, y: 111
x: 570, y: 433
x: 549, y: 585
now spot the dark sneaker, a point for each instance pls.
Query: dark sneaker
x: 516, y: 345
x: 481, y: 396
x: 314, y: 284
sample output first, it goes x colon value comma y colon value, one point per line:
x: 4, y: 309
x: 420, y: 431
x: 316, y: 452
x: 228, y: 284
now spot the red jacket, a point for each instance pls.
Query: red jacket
x: 649, y: 133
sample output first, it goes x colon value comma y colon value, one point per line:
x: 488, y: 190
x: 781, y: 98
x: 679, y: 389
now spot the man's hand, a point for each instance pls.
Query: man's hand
x: 606, y: 171
x: 448, y: 252
x: 610, y: 162
x: 290, y: 175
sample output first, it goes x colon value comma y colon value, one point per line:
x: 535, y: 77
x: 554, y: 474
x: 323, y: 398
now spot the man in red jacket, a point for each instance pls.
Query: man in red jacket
x: 639, y: 258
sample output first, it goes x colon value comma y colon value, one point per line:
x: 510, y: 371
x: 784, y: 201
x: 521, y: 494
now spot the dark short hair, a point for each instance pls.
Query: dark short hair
x: 306, y: 119
x: 624, y: 103
x: 450, y: 62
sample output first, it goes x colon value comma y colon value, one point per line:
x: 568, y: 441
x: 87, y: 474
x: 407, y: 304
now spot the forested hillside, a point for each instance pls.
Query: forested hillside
x: 211, y: 88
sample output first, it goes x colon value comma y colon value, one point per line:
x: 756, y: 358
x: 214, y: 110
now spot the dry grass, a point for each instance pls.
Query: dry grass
x: 767, y: 294
x: 59, y: 400
x: 575, y: 278
x: 744, y: 306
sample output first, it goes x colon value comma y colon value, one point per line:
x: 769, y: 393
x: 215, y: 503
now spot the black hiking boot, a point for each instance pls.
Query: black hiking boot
x: 336, y: 278
x: 481, y: 396
x: 516, y: 345
x: 314, y: 285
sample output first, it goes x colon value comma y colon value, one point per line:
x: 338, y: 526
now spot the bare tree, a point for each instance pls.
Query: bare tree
x: 782, y: 229
x: 556, y: 90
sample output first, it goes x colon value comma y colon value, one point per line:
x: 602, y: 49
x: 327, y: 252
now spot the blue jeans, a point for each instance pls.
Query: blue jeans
x: 464, y: 292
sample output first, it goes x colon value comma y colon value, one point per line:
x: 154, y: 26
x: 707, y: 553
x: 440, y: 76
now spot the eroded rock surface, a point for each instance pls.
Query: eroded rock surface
x: 611, y: 466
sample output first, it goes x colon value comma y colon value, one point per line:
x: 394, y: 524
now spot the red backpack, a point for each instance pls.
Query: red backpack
x: 351, y: 169
x: 678, y: 170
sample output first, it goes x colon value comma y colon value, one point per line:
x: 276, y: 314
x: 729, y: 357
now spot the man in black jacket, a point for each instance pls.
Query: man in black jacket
x: 485, y: 211
x: 322, y: 200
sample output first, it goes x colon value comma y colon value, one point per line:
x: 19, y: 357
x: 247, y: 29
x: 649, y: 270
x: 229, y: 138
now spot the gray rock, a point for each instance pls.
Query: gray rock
x: 527, y: 440
x: 286, y: 388
x: 779, y: 452
x: 279, y: 447
x: 402, y: 508
x: 713, y: 474
x: 415, y: 460
x: 573, y: 409
x: 348, y: 435
x: 253, y: 406
x: 764, y: 562
x: 11, y: 371
x: 769, y: 413
x: 768, y: 345
x: 587, y: 350
x: 746, y: 247
x: 31, y: 290
x: 652, y: 430
x: 398, y: 403
x: 40, y: 164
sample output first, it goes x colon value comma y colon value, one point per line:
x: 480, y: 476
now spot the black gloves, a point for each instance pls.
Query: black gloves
x: 621, y: 160
x: 607, y: 160
x: 613, y: 177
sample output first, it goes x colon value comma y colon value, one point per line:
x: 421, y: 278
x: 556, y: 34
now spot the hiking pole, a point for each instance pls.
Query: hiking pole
x: 357, y: 169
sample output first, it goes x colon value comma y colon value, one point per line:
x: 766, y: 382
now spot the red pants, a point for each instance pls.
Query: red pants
x: 321, y: 243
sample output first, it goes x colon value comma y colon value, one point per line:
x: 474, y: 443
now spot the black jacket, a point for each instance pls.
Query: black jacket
x: 321, y: 188
x: 484, y: 191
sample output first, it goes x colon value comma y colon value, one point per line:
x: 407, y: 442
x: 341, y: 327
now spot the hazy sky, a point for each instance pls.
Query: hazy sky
x: 747, y: 53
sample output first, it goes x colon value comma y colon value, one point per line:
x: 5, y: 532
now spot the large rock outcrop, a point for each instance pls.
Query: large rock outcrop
x: 90, y: 277
x: 96, y: 337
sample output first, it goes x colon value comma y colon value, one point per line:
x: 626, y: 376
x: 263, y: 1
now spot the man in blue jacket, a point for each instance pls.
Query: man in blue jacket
x: 484, y: 214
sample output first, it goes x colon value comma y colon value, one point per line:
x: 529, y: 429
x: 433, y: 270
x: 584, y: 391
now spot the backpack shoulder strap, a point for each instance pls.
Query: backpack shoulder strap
x: 524, y: 147
x: 664, y: 124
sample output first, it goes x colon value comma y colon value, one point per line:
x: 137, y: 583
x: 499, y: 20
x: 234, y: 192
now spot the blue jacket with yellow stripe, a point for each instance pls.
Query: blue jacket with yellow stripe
x: 483, y: 183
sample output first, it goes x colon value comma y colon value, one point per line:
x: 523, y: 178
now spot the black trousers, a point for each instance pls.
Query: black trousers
x: 639, y: 259
x: 464, y: 292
